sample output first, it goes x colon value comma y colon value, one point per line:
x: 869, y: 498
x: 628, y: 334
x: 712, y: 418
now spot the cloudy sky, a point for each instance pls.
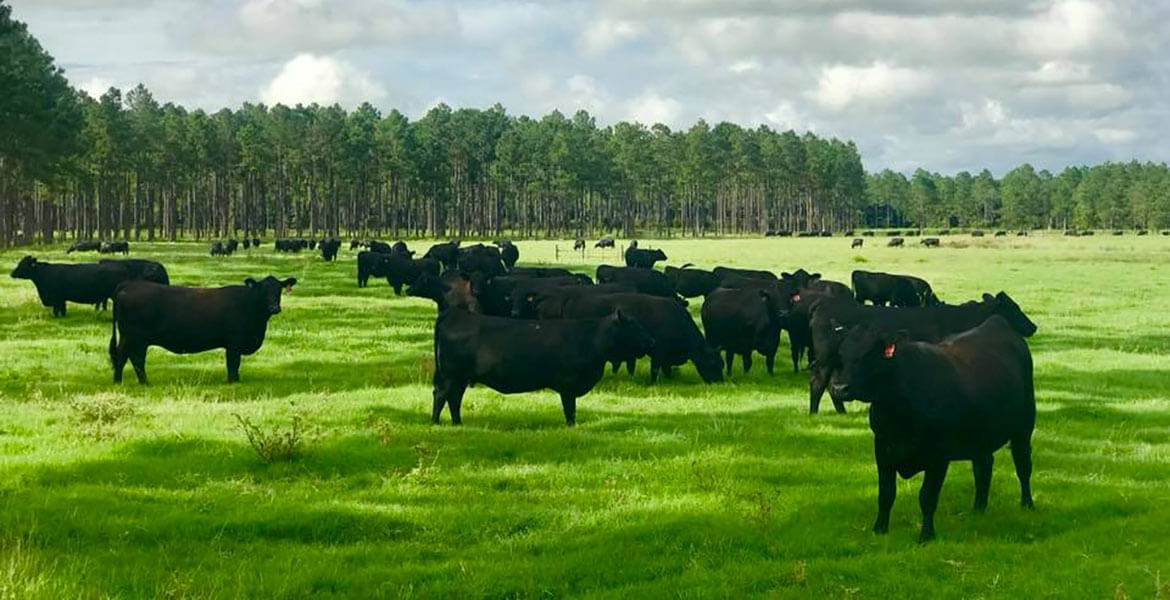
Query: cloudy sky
x: 946, y: 84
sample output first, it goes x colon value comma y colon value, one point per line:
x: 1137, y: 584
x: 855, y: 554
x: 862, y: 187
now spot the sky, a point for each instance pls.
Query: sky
x: 945, y: 85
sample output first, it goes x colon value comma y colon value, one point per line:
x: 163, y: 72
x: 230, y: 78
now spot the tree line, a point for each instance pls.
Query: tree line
x: 126, y: 166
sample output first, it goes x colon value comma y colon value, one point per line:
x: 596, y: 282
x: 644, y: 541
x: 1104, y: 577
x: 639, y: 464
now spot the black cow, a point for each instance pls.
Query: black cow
x: 115, y: 247
x: 857, y: 243
x: 232, y: 245
x: 867, y: 234
x: 604, y: 243
x: 139, y: 268
x: 398, y: 270
x: 329, y: 249
x: 724, y: 273
x: 1001, y: 233
x: 84, y: 284
x: 355, y: 244
x: 1118, y: 232
x: 187, y: 320
x: 401, y: 249
x: 1143, y: 232
x: 691, y: 282
x: 510, y: 254
x: 219, y: 249
x: 380, y: 247
x: 798, y: 278
x: 887, y: 289
x: 446, y: 253
x: 930, y: 242
x: 977, y: 233
x: 451, y: 290
x: 930, y: 324
x: 514, y: 356
x: 550, y: 302
x: 642, y: 258
x: 247, y: 243
x: 313, y: 244
x: 481, y: 259
x: 255, y: 242
x: 288, y: 245
x: 543, y: 272
x: 579, y: 244
x: 847, y: 233
x: 894, y: 233
x: 800, y: 305
x: 676, y: 337
x: 740, y: 321
x: 944, y: 231
x: 84, y: 246
x: 1022, y: 233
x: 499, y: 296
x: 896, y: 242
x: 960, y: 399
x: 648, y: 281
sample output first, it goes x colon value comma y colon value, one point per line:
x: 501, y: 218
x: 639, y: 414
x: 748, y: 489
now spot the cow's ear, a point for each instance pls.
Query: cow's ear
x: 814, y: 277
x: 250, y: 282
x: 288, y: 283
x: 988, y: 297
x: 1002, y: 297
x: 786, y: 276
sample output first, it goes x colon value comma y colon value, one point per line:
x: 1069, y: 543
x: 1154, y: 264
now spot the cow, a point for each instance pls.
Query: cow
x: 784, y: 233
x: 115, y: 247
x: 742, y: 321
x: 676, y: 337
x: 1143, y: 232
x: 648, y: 281
x: 218, y: 249
x: 886, y: 289
x: 499, y: 296
x: 255, y: 242
x: 509, y: 253
x: 451, y: 290
x: 604, y: 243
x: 857, y: 243
x: 355, y: 244
x: 642, y: 258
x: 930, y: 242
x: 944, y: 231
x: 247, y: 243
x: 186, y: 320
x: 232, y: 245
x: 90, y: 283
x: 313, y: 244
x: 550, y: 302
x: 913, y: 233
x: 867, y: 233
x: 893, y: 233
x: 481, y: 259
x: 724, y: 273
x: 1118, y: 232
x: 398, y: 270
x: 690, y: 282
x: 961, y: 398
x: 579, y: 244
x: 826, y: 233
x: 1022, y: 233
x: 977, y: 233
x: 798, y: 278
x: 800, y: 305
x: 1001, y: 233
x: 847, y: 233
x: 446, y: 253
x: 544, y: 272
x: 84, y: 246
x: 379, y: 247
x: 329, y: 249
x: 288, y: 245
x: 514, y: 356
x: 896, y: 242
x: 139, y: 268
x: 930, y: 323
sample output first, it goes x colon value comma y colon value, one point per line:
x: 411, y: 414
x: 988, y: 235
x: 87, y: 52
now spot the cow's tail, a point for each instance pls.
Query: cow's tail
x: 114, y: 330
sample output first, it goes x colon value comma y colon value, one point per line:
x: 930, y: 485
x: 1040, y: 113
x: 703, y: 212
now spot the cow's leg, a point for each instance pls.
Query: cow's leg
x: 796, y: 351
x: 397, y: 285
x: 569, y: 406
x: 770, y: 362
x: 455, y: 404
x: 668, y: 371
x: 118, y: 359
x: 654, y: 367
x: 747, y: 361
x: 981, y: 465
x: 137, y: 356
x: 932, y: 482
x: 630, y: 364
x: 887, y: 487
x: 818, y: 379
x: 59, y: 310
x: 1022, y: 456
x: 730, y: 360
x: 449, y: 393
x: 233, y: 366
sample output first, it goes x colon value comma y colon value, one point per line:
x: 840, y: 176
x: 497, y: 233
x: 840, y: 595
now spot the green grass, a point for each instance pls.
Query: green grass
x: 674, y: 490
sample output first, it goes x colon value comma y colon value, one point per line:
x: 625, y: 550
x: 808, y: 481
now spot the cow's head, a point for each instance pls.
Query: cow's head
x: 268, y: 291
x: 25, y: 268
x: 868, y: 358
x: 709, y: 364
x: 427, y: 286
x: 1012, y: 313
x: 629, y: 335
x: 776, y: 304
x: 657, y: 255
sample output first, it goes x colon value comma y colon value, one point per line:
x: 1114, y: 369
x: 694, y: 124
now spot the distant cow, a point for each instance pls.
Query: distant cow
x: 648, y: 281
x: 446, y: 253
x: 867, y: 234
x: 115, y: 247
x: 84, y: 246
x: 187, y: 320
x: 514, y: 356
x: 742, y: 321
x: 896, y: 242
x: 255, y: 242
x: 1143, y: 232
x: 219, y: 249
x: 1022, y: 233
x: 232, y: 245
x: 85, y: 283
x: 509, y: 253
x: 944, y: 231
x: 977, y: 233
x: 676, y: 337
x: 398, y: 270
x: 1001, y: 233
x: 247, y: 242
x: 691, y: 282
x: 329, y: 249
x: 724, y: 273
x: 288, y: 245
x: 962, y: 398
x: 857, y: 243
x: 541, y: 272
x: 604, y: 243
x: 642, y: 258
x: 894, y: 233
x: 930, y: 242
x: 890, y: 289
x: 579, y: 244
x: 1118, y: 232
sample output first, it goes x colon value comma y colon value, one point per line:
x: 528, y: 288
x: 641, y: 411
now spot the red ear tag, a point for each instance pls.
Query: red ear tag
x: 796, y: 297
x: 889, y: 351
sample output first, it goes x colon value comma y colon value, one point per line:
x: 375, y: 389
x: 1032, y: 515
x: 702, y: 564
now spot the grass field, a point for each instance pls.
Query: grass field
x: 674, y: 490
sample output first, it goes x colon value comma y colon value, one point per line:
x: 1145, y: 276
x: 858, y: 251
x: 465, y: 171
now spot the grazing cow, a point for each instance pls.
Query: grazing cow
x: 329, y: 249
x: 641, y: 258
x: 451, y: 290
x: 1166, y: 232
x: 579, y: 244
x: 676, y: 337
x: 801, y: 303
x: 398, y: 270
x: 887, y: 289
x: 930, y: 324
x: 1001, y: 233
x: 550, y: 302
x: 691, y: 282
x: 186, y: 320
x: 84, y: 284
x: 894, y: 233
x: 1143, y: 232
x: 1088, y: 232
x: 807, y: 234
x: 114, y: 247
x: 977, y: 233
x: 742, y: 321
x: 355, y: 244
x: 770, y: 233
x: 514, y: 356
x: 510, y: 254
x: 847, y: 233
x: 313, y: 244
x: 896, y: 242
x: 1118, y: 232
x: 962, y: 398
x: 944, y: 231
x: 84, y: 246
x: 1022, y: 233
x: 287, y: 245
x: 219, y: 249
x: 857, y: 243
x: 1071, y: 232
x: 930, y: 242
x: 446, y: 253
x: 826, y: 233
x: 725, y: 273
x: 247, y: 243
x: 604, y: 243
x: 867, y: 234
x: 648, y: 281
x: 784, y: 233
x: 500, y: 296
x: 232, y: 245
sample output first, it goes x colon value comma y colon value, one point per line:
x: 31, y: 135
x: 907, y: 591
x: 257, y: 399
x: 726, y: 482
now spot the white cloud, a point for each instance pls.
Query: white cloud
x: 308, y: 78
x: 746, y: 65
x: 605, y: 34
x: 838, y: 86
x: 1070, y: 27
x: 786, y: 116
x: 650, y: 108
x: 1110, y: 135
x: 1060, y: 72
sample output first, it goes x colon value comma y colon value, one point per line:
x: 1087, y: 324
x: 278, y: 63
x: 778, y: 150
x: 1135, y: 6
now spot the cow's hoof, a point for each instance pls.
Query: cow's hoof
x: 925, y: 536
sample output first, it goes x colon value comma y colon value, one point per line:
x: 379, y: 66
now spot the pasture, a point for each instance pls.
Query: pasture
x: 674, y: 490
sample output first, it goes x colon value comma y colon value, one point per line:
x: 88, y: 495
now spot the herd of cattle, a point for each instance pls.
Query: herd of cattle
x: 944, y: 382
